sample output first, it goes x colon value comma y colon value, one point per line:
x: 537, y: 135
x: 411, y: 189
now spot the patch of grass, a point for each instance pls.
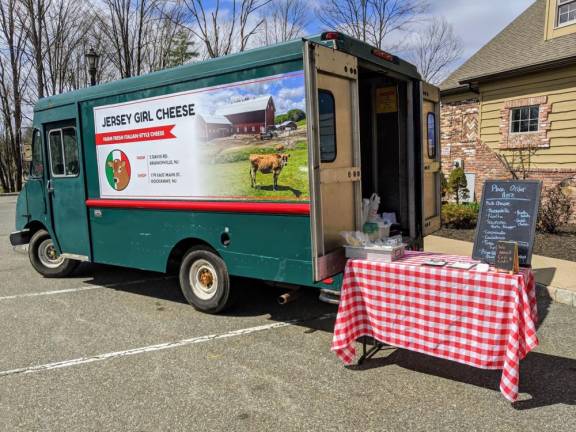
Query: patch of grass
x: 301, y: 123
x: 233, y: 178
x: 301, y: 145
x: 242, y: 154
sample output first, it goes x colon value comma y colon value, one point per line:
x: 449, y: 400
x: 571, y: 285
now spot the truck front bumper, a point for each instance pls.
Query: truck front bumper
x: 18, y: 238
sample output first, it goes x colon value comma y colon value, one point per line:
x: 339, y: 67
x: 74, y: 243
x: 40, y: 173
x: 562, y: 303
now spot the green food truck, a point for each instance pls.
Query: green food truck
x: 247, y: 165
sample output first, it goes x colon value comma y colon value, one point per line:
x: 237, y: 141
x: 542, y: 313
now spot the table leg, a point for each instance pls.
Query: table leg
x: 376, y: 347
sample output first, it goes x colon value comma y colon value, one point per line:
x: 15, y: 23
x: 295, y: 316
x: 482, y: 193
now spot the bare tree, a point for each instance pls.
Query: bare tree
x: 33, y: 19
x: 117, y: 19
x: 12, y: 82
x: 126, y: 22
x: 141, y: 33
x: 65, y: 33
x: 169, y: 43
x: 371, y: 21
x: 436, y: 48
x: 223, y: 30
x: 283, y: 20
x: 518, y: 161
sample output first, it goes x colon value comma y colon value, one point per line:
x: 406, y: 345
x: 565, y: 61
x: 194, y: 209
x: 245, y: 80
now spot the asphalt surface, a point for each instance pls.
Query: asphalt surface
x: 119, y: 349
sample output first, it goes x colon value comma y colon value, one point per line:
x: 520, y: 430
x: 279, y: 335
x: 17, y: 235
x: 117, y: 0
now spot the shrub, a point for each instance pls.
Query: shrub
x: 460, y: 216
x: 445, y: 188
x: 458, y: 185
x: 555, y: 210
x: 474, y: 206
x: 296, y: 115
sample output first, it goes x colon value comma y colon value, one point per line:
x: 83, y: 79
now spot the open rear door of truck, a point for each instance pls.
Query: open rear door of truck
x: 335, y: 186
x: 432, y: 173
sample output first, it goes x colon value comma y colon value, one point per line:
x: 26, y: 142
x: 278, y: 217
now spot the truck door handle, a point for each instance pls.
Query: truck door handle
x: 49, y: 187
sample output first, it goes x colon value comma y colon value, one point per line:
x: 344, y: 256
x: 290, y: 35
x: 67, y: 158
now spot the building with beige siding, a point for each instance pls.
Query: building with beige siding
x: 512, y: 105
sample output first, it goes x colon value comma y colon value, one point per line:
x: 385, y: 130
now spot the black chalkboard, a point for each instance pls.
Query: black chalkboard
x: 506, y: 256
x: 508, y: 212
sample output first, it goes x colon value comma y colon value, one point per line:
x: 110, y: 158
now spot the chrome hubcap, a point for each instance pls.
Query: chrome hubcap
x: 203, y: 279
x: 48, y: 255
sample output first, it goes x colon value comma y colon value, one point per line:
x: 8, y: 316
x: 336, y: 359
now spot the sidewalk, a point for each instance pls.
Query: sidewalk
x: 556, y: 275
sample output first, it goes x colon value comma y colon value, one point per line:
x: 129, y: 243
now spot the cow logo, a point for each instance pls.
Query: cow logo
x: 118, y: 170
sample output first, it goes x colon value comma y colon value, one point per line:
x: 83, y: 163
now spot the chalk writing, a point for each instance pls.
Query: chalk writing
x: 508, y: 213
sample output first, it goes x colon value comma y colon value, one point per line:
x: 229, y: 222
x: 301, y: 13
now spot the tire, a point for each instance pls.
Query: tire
x: 45, y: 259
x: 204, y: 280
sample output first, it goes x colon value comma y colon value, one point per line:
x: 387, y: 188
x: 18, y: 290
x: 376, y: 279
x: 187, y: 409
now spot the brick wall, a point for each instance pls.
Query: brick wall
x: 538, y: 139
x: 460, y: 141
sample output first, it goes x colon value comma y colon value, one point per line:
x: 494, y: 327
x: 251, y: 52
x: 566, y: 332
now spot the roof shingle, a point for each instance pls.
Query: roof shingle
x: 520, y: 45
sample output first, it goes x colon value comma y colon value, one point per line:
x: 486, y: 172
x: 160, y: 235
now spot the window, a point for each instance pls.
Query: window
x: 64, y: 152
x: 56, y: 153
x: 327, y: 115
x: 432, y: 140
x: 37, y: 165
x: 70, y: 151
x: 524, y: 119
x: 566, y: 12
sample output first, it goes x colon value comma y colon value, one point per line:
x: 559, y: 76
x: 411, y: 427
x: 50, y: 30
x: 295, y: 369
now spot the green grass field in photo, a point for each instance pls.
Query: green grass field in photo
x: 234, y: 175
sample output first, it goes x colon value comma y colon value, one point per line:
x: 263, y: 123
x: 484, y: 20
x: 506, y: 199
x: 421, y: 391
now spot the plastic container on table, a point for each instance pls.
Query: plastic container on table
x: 385, y: 254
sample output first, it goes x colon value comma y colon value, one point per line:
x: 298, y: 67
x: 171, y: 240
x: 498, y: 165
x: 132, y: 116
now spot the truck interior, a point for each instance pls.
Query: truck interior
x: 383, y: 143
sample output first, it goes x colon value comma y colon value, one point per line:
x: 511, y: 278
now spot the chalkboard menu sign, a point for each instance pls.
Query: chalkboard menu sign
x: 506, y: 256
x: 508, y: 212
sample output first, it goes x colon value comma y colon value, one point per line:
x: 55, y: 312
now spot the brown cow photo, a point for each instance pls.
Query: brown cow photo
x: 121, y: 174
x: 267, y: 164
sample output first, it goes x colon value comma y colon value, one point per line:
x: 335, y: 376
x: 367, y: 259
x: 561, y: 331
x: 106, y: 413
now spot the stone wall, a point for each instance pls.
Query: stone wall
x: 460, y: 140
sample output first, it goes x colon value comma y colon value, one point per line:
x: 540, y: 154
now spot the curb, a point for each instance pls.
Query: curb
x: 560, y: 295
x: 9, y: 194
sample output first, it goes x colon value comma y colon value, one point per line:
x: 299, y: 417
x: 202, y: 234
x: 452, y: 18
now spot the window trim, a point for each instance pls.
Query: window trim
x: 328, y: 92
x: 61, y: 130
x: 435, y: 156
x: 511, y: 132
x: 37, y: 133
x: 557, y: 20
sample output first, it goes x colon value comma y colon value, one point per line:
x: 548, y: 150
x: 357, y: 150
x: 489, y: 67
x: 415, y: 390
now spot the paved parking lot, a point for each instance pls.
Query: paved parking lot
x: 116, y: 349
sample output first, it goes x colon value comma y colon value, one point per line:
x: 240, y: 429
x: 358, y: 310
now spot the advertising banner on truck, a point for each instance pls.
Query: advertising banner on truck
x: 225, y: 142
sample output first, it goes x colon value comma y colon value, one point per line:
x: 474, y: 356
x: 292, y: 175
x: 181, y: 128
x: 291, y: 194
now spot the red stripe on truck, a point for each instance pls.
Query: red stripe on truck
x: 135, y: 135
x: 206, y: 206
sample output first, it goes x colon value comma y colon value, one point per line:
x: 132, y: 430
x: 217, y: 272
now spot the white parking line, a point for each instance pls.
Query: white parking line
x: 82, y: 288
x: 159, y: 347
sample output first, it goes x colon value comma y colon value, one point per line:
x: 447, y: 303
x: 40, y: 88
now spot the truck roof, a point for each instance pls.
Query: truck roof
x: 268, y: 55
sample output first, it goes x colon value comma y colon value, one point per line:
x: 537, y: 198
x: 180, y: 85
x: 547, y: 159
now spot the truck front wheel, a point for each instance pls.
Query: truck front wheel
x: 204, y: 280
x: 45, y: 259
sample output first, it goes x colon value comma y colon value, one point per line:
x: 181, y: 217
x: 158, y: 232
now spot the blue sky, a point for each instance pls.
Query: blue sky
x: 474, y: 21
x: 478, y: 21
x: 287, y: 91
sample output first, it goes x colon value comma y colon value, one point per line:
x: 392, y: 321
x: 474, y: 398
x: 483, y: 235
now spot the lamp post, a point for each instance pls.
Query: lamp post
x: 92, y: 59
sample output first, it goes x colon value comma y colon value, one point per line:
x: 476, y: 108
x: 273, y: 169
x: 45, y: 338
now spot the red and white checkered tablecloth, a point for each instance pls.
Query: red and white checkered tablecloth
x: 487, y: 320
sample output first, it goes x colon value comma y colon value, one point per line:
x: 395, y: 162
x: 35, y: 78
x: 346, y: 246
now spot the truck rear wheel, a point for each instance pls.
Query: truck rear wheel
x: 45, y: 259
x: 204, y: 280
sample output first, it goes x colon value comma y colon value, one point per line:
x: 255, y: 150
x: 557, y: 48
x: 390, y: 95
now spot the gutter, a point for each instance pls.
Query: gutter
x: 568, y: 61
x: 456, y: 90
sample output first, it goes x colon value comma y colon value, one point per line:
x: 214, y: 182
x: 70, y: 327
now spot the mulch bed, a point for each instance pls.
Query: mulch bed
x: 561, y: 245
